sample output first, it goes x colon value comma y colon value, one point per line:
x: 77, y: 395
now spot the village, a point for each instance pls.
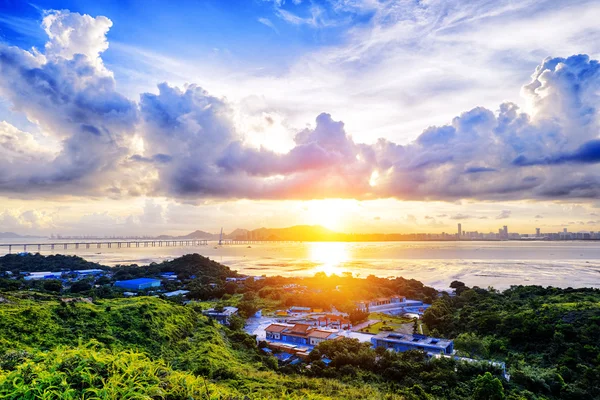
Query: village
x: 392, y: 323
x: 290, y: 334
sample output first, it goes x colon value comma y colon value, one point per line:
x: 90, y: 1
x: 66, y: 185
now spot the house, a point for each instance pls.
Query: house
x: 316, y: 336
x: 383, y: 304
x: 405, y: 342
x: 34, y: 276
x: 397, y: 299
x: 88, y: 272
x: 298, y: 351
x: 334, y: 321
x: 298, y: 334
x: 240, y: 279
x: 273, y: 331
x: 299, y: 310
x: 221, y: 317
x: 138, y: 284
x: 169, y: 275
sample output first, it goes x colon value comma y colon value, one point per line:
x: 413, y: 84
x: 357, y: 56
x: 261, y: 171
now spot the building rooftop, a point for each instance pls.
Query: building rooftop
x: 300, y: 328
x: 226, y: 311
x: 88, y: 271
x: 140, y: 281
x: 177, y: 293
x: 319, y: 334
x: 276, y: 328
x: 413, y: 339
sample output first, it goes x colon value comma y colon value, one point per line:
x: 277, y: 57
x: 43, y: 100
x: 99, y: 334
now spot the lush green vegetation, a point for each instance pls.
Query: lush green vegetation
x: 411, y: 374
x: 17, y: 263
x: 142, y: 348
x: 548, y: 336
x: 84, y: 340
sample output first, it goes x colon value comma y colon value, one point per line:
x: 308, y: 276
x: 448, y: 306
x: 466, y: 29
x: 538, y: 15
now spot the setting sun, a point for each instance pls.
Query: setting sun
x: 333, y: 214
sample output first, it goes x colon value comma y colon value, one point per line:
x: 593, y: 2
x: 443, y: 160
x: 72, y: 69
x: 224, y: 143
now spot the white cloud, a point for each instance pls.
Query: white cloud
x: 72, y: 33
x: 192, y: 145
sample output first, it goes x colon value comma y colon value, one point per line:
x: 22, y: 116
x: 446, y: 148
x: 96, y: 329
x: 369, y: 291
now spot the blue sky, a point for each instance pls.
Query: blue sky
x: 198, y: 28
x: 372, y: 115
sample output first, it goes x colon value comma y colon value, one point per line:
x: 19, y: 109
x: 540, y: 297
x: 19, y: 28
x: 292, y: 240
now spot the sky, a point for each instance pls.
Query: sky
x: 141, y: 117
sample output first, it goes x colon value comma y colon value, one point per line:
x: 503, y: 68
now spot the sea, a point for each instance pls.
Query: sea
x: 485, y: 264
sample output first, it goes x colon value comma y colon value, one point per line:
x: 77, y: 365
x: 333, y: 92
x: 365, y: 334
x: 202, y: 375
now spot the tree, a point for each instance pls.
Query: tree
x: 356, y: 316
x: 488, y: 388
x: 471, y: 344
x: 80, y: 286
x: 53, y: 285
x: 459, y: 287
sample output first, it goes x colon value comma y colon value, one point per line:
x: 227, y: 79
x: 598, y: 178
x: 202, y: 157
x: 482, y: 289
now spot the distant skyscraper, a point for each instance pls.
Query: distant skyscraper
x: 564, y: 230
x: 537, y: 231
x: 459, y: 230
x: 505, y: 230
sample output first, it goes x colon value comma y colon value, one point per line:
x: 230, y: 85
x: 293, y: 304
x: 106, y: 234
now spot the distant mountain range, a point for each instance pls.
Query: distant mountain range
x: 12, y: 235
x: 298, y: 233
x: 194, y: 235
x: 294, y: 233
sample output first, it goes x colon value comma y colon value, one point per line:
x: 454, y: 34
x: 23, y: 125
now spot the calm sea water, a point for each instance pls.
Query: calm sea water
x: 497, y: 264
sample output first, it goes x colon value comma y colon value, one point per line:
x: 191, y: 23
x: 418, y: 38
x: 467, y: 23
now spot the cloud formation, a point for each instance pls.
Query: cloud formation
x: 184, y: 142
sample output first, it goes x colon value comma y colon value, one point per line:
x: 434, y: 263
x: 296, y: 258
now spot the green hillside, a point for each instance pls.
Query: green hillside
x: 142, y: 348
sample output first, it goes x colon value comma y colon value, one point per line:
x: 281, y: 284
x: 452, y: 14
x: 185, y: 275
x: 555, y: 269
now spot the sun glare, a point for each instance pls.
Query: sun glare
x: 334, y: 214
x: 329, y: 256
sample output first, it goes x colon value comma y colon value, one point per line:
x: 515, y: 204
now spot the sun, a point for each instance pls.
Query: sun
x: 334, y: 214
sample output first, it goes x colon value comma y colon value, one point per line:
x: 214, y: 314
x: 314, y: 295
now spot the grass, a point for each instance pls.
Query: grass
x: 140, y: 348
x: 397, y: 323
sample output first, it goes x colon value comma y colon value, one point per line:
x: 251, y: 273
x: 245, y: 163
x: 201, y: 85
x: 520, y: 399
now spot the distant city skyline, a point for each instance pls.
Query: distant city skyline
x: 361, y: 116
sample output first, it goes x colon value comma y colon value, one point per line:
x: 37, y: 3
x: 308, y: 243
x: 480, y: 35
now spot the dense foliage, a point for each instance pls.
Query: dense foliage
x: 17, y: 263
x: 142, y: 348
x: 77, y: 337
x: 548, y: 336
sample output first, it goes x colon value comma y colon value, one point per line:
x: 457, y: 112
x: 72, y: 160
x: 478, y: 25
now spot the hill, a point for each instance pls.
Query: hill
x: 143, y: 348
x: 12, y: 235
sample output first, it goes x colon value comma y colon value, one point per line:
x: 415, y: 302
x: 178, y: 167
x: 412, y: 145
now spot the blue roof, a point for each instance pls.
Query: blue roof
x: 140, y: 281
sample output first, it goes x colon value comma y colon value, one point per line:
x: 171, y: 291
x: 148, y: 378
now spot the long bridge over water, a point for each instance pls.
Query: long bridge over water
x: 102, y: 244
x: 110, y: 244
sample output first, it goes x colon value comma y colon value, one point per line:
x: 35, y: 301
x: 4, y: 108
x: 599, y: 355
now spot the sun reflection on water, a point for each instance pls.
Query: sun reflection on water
x: 329, y: 256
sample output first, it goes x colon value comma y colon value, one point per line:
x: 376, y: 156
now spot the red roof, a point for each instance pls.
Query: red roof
x: 300, y: 328
x: 276, y: 328
x: 320, y: 334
